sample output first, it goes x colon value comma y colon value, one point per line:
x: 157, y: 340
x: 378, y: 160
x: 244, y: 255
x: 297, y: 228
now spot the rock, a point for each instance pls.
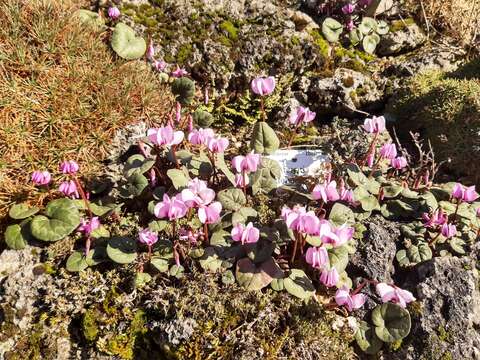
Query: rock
x: 375, y: 254
x: 378, y: 7
x: 343, y: 93
x: 405, y: 39
x: 447, y: 324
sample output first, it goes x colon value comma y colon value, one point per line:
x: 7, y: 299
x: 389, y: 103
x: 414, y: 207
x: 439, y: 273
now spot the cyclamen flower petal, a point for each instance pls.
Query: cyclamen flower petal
x: 147, y: 237
x: 398, y: 163
x: 179, y: 72
x: 388, y: 151
x: 165, y: 136
x: 263, y: 86
x: 301, y: 115
x: 217, y: 145
x: 69, y: 188
x: 438, y: 218
x: 330, y: 277
x: 150, y: 52
x: 348, y: 196
x: 159, y: 65
x: 41, y: 177
x: 343, y: 234
x: 374, y: 125
x: 199, y: 198
x: 348, y: 9
x: 351, y: 302
x: 317, y: 257
x: 241, y: 180
x: 69, y: 167
x: 113, y: 13
x: 326, y: 191
x: 394, y: 294
x: 210, y: 214
x: 200, y: 136
x: 248, y: 163
x: 171, y: 208
x: 87, y: 226
x: 246, y: 234
x: 449, y: 230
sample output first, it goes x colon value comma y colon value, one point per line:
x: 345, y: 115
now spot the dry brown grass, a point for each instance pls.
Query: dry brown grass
x: 62, y: 93
x: 457, y: 18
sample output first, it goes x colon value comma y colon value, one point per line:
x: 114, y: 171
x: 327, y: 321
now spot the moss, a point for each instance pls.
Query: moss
x: 295, y: 40
x: 397, y: 25
x: 322, y: 44
x: 230, y: 29
x: 444, y: 335
x: 395, y: 346
x: 184, y: 53
x: 89, y: 326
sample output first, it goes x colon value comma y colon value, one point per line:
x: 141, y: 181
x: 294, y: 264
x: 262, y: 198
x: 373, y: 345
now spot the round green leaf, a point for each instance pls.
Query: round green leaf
x: 179, y: 178
x: 60, y: 219
x: 341, y: 214
x: 244, y: 215
x: 331, y: 29
x: 254, y: 277
x: 184, y: 90
x: 159, y: 263
x: 232, y: 199
x: 89, y: 17
x: 369, y: 43
x: 298, y: 284
x: 228, y: 278
x: 202, y: 118
x: 16, y: 236
x: 141, y: 279
x: 367, y: 340
x: 126, y: 44
x: 264, y: 139
x: 355, y: 36
x: 22, y: 211
x: 338, y: 258
x: 122, y: 250
x: 457, y: 245
x: 392, y: 191
x: 176, y: 271
x: 76, y: 262
x: 382, y: 27
x: 367, y: 25
x: 210, y: 261
x: 392, y: 322
x: 96, y: 255
x: 137, y: 164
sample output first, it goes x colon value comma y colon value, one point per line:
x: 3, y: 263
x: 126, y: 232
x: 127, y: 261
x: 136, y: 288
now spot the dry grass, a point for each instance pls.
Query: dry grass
x: 62, y: 93
x: 457, y: 18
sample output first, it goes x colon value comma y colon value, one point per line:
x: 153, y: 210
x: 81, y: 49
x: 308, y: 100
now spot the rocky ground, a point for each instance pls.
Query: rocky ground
x: 48, y: 313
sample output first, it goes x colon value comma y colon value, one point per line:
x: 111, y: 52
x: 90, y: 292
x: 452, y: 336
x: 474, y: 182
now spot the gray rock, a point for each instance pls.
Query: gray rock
x: 375, y: 254
x: 401, y: 41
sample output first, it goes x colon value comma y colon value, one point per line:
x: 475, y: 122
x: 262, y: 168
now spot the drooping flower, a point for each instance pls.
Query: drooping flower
x: 87, y: 226
x: 394, y: 294
x: 147, y: 237
x: 371, y: 159
x: 165, y: 136
x: 398, y: 163
x: 113, y: 13
x: 69, y: 167
x: 374, y: 125
x: 69, y: 188
x: 172, y: 208
x: 200, y: 136
x: 317, y: 257
x: 449, y: 230
x: 351, y: 302
x: 306, y: 223
x: 197, y: 194
x: 248, y: 163
x: 189, y: 235
x: 217, y: 144
x: 210, y: 214
x: 241, y: 180
x: 301, y: 115
x: 350, y: 24
x: 263, y: 86
x: 179, y: 72
x: 467, y: 194
x: 330, y: 277
x: 41, y: 177
x: 438, y: 217
x: 326, y: 191
x: 347, y: 195
x: 159, y: 65
x: 339, y: 236
x: 388, y: 151
x: 245, y: 234
x: 348, y: 9
x: 150, y: 52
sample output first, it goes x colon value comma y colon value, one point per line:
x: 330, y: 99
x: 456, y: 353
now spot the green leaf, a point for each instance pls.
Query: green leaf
x: 126, y: 44
x: 222, y: 166
x: 392, y: 191
x: 382, y: 27
x: 355, y: 36
x: 272, y: 166
x: 122, y: 250
x: 101, y: 232
x: 96, y: 255
x: 341, y: 214
x: 202, y: 118
x: 137, y: 164
x: 263, y: 182
x: 458, y: 245
x: 89, y: 18
x: 184, y: 90
x: 179, y: 178
x: 356, y: 175
x: 22, y: 211
x: 369, y: 203
x: 260, y: 251
x: 367, y: 25
x: 141, y: 279
x: 232, y: 199
x: 76, y: 262
x: 264, y: 139
x: 244, y: 215
x: 331, y: 29
x: 367, y: 340
x: 344, y: 280
x: 60, y: 219
x: 157, y: 225
x: 176, y: 271
x: 298, y: 284
x: 338, y: 258
x: 277, y: 284
x: 16, y: 236
x: 228, y: 278
x: 314, y: 240
x: 136, y: 184
x: 210, y: 261
x: 369, y: 44
x: 414, y: 254
x: 160, y: 264
x: 254, y: 277
x: 392, y: 322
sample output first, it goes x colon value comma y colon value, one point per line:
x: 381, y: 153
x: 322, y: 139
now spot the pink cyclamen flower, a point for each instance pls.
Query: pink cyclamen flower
x: 449, y: 230
x: 200, y: 136
x: 87, y: 226
x: 467, y: 194
x: 351, y: 302
x: 398, y: 163
x: 241, y: 180
x: 394, y: 294
x: 348, y: 9
x: 150, y: 52
x: 388, y: 151
x: 172, y: 208
x: 301, y: 115
x: 69, y: 188
x: 375, y: 125
x: 339, y: 236
x: 347, y: 195
x: 147, y: 237
x: 197, y: 194
x: 179, y: 72
x: 438, y: 217
x: 370, y: 159
x: 263, y: 86
x: 326, y: 191
x: 248, y: 163
x: 41, y: 177
x: 330, y: 277
x: 165, y: 136
x: 350, y: 25
x: 113, y: 13
x: 307, y: 223
x: 217, y: 145
x: 189, y: 235
x: 159, y: 65
x: 69, y: 167
x: 246, y: 234
x: 317, y: 257
x: 210, y: 214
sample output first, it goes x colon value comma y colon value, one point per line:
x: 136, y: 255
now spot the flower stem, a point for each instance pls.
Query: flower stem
x: 205, y: 232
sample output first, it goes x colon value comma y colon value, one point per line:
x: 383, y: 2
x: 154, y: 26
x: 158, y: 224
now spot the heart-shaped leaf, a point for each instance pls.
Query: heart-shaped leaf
x: 202, y: 118
x: 122, y: 250
x: 244, y: 215
x: 60, y: 219
x: 141, y: 279
x: 331, y: 29
x: 179, y: 178
x: 17, y: 235
x: 264, y: 139
x: 232, y: 199
x: 338, y: 258
x: 369, y: 43
x: 96, y: 255
x: 76, y: 262
x: 137, y: 164
x: 126, y: 44
x: 368, y: 25
x: 184, y: 90
x: 341, y: 214
x: 392, y: 322
x: 254, y: 277
x: 392, y: 191
x: 176, y: 271
x: 22, y: 211
x: 228, y: 278
x: 210, y: 260
x: 367, y: 340
x: 298, y: 284
x: 160, y: 264
x: 382, y: 27
x: 458, y: 245
x: 414, y: 254
x: 355, y: 36
x: 222, y: 166
x: 89, y: 17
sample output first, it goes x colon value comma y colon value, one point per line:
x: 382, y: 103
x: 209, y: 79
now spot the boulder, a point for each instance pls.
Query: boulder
x: 406, y: 38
